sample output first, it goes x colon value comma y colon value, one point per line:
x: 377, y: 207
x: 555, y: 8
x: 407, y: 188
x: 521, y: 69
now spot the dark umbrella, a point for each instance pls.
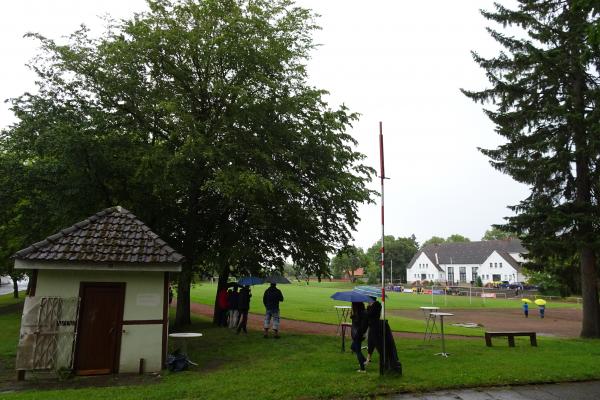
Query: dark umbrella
x: 250, y: 280
x: 277, y: 279
x: 352, y: 296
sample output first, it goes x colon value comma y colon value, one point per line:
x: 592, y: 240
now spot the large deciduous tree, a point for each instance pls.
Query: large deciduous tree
x: 544, y: 93
x: 197, y: 115
x: 398, y: 253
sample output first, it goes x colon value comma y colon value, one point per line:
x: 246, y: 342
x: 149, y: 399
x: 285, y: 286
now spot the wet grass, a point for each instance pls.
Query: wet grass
x: 307, y: 366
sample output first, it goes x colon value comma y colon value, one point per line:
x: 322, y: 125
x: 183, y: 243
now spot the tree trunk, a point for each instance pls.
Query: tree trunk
x: 15, y: 288
x: 222, y: 284
x: 182, y: 315
x: 589, y: 290
x: 590, y: 326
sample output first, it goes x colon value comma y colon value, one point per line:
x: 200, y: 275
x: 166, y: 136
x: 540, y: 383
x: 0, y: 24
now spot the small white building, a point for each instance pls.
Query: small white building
x: 115, y: 271
x: 451, y: 263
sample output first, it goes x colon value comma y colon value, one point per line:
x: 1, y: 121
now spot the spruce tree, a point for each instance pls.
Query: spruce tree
x: 543, y: 95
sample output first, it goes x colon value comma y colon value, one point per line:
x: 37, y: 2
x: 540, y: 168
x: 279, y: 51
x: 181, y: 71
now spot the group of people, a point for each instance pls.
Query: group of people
x: 233, y: 307
x: 364, y: 320
x: 541, y: 309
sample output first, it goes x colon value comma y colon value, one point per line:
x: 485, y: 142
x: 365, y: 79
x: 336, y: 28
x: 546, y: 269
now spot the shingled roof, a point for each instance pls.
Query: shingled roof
x: 469, y: 252
x: 113, y: 235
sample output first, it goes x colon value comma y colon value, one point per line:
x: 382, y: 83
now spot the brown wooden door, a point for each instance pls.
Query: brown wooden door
x: 100, y: 324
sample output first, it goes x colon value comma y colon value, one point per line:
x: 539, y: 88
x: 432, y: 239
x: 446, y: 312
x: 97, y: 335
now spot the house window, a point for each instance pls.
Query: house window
x: 474, y: 274
x: 495, y: 265
x: 451, y: 274
x: 500, y: 265
x: 490, y: 265
x: 463, y: 274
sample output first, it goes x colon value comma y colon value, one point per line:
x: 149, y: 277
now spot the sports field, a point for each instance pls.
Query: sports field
x: 312, y: 302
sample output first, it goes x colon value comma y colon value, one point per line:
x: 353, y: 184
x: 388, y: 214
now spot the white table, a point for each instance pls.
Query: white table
x: 429, y: 320
x: 343, y: 315
x: 182, y: 338
x: 442, y: 315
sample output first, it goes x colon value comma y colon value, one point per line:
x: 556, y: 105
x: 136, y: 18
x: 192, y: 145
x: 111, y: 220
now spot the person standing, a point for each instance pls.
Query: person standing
x: 222, y: 307
x: 542, y: 309
x: 271, y: 300
x: 243, y: 308
x: 526, y: 310
x: 357, y: 332
x: 373, y: 316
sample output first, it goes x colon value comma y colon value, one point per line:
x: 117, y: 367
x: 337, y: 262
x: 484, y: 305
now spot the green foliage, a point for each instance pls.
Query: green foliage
x: 479, y: 282
x: 454, y: 238
x: 433, y: 240
x: 543, y: 96
x: 497, y: 233
x: 348, y: 260
x: 398, y: 253
x: 199, y: 118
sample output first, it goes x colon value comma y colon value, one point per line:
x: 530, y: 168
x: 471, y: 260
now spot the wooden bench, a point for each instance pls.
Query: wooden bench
x: 510, y: 336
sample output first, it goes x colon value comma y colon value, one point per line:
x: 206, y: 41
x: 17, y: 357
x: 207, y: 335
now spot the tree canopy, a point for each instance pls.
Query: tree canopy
x: 198, y: 117
x: 398, y: 253
x: 454, y: 238
x: 544, y: 96
x: 495, y: 233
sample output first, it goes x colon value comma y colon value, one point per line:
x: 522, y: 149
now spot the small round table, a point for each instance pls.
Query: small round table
x: 442, y: 315
x: 429, y: 320
x: 343, y: 314
x: 182, y: 338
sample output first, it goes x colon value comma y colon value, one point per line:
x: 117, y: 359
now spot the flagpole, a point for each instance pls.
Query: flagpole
x: 382, y: 176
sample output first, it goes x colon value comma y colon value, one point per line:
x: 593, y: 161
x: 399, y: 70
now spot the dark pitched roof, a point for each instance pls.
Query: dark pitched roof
x: 469, y: 252
x: 112, y: 235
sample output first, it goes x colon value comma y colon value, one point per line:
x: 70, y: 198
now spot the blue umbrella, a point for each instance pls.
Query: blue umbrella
x: 369, y: 291
x: 250, y: 280
x: 352, y: 296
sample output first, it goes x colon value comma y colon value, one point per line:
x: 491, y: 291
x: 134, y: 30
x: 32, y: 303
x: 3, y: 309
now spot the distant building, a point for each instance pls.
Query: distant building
x: 352, y: 276
x: 491, y: 260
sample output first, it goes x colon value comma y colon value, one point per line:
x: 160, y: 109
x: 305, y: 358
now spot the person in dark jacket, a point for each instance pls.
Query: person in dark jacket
x: 357, y: 333
x: 373, y: 316
x: 243, y: 308
x: 271, y: 300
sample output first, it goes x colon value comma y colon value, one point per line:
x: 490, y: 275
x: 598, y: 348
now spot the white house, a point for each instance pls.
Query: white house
x: 492, y: 260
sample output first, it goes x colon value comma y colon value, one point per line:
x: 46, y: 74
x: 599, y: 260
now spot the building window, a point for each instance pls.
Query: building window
x: 495, y: 265
x: 474, y: 274
x: 451, y: 275
x: 490, y: 265
x: 500, y: 265
x: 463, y: 274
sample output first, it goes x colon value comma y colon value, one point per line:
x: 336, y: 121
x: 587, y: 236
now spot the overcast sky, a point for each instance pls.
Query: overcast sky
x: 399, y: 62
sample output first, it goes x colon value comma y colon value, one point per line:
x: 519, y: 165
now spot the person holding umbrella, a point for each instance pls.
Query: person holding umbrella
x: 271, y: 300
x: 541, y: 303
x: 359, y: 327
x: 243, y: 308
x: 373, y: 316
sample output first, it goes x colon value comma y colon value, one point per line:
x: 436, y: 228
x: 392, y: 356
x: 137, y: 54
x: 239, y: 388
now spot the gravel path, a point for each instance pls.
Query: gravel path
x: 255, y: 321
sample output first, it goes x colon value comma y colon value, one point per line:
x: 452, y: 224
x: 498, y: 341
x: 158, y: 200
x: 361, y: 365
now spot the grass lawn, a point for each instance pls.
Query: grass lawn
x: 313, y: 303
x: 8, y: 299
x: 305, y: 366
